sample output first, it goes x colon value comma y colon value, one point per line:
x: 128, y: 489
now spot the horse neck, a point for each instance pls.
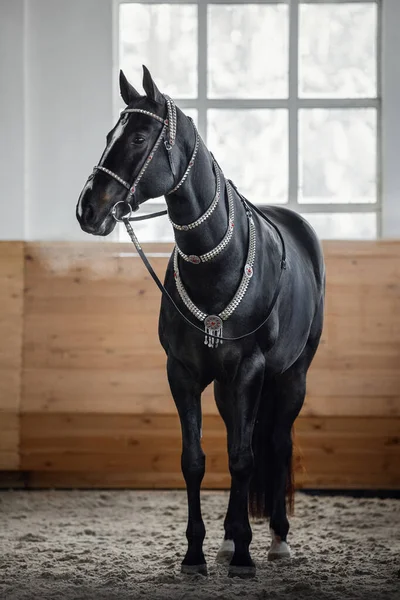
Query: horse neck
x: 192, y: 200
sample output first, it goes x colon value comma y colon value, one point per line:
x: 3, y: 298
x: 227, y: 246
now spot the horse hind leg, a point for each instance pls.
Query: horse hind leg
x: 288, y: 391
x: 280, y: 404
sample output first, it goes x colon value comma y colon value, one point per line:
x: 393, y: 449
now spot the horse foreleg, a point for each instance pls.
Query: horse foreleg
x: 222, y: 399
x: 240, y: 399
x: 187, y: 395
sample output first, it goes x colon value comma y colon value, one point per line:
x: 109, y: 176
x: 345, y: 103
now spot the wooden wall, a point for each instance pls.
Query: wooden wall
x: 94, y: 408
x: 11, y: 323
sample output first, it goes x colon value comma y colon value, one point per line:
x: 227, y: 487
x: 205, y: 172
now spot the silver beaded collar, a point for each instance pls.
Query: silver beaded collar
x: 193, y: 258
x: 213, y: 323
x: 190, y: 165
x: 209, y: 210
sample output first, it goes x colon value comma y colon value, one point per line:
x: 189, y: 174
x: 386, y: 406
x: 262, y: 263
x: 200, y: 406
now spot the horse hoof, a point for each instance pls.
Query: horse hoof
x: 242, y: 572
x: 194, y: 569
x: 278, y: 550
x: 226, y: 551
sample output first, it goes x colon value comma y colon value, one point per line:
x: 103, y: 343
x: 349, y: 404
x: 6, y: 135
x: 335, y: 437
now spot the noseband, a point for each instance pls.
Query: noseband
x: 169, y: 125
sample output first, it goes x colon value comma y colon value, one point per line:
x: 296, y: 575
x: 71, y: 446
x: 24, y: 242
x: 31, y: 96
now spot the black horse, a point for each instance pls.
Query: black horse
x: 232, y: 266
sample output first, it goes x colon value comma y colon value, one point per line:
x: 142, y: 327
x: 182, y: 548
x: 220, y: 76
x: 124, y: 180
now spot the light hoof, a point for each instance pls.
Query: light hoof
x: 278, y: 550
x: 226, y: 551
x: 194, y: 569
x: 242, y: 572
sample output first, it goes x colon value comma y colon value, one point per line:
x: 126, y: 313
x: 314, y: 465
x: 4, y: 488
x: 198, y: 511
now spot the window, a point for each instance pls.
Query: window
x: 285, y: 94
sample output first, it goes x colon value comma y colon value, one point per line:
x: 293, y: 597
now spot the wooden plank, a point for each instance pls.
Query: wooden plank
x: 12, y: 480
x: 348, y: 406
x: 99, y: 392
x: 338, y: 452
x: 81, y: 390
x: 11, y: 330
x: 9, y: 440
x: 10, y: 390
x: 11, y: 288
x: 95, y: 390
x: 215, y: 481
x: 121, y: 480
x: 99, y: 342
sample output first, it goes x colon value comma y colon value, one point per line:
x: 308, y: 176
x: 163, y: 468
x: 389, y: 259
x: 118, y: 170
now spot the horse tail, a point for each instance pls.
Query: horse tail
x: 261, y: 484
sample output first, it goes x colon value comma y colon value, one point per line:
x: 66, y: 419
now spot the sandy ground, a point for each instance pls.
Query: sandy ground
x: 120, y: 545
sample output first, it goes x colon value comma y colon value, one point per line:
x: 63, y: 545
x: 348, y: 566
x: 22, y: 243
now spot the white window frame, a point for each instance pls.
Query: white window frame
x: 390, y: 118
x: 293, y: 103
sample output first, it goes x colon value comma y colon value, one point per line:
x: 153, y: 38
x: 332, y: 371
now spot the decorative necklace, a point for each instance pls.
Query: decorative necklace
x: 209, y: 210
x: 193, y: 258
x: 190, y: 165
x: 213, y: 323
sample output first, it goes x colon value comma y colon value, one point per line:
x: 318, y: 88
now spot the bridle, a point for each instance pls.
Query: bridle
x: 168, y: 134
x: 170, y: 126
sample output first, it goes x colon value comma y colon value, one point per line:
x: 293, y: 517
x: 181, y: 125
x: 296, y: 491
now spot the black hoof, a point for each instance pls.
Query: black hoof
x: 242, y: 572
x: 194, y: 569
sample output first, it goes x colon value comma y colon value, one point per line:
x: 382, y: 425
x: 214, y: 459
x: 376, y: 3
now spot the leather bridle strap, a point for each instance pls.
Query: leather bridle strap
x: 161, y: 213
x: 132, y: 187
x: 170, y: 125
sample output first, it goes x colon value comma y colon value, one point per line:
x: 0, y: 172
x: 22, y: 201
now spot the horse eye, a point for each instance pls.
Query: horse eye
x: 139, y: 139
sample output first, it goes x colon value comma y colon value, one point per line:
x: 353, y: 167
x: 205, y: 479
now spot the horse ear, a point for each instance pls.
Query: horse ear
x: 150, y: 87
x: 128, y: 92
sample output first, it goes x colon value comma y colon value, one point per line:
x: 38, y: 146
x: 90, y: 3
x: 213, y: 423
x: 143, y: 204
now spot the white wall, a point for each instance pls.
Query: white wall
x: 68, y: 108
x: 12, y: 167
x: 56, y: 105
x: 56, y: 79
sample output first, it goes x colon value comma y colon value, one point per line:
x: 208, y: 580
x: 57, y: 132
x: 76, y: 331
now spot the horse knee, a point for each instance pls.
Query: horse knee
x: 241, y: 464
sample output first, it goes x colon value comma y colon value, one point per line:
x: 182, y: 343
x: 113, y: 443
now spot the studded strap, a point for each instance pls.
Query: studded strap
x: 192, y: 258
x: 169, y: 124
x: 112, y: 174
x: 241, y: 290
x: 145, y: 112
x: 209, y: 210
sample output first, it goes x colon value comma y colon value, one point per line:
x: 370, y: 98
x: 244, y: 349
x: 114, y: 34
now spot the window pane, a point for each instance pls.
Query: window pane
x: 164, y: 38
x: 337, y: 161
x: 247, y: 51
x: 338, y: 50
x: 251, y: 147
x: 343, y: 226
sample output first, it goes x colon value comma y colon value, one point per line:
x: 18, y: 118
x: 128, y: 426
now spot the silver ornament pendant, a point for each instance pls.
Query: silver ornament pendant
x: 213, y: 329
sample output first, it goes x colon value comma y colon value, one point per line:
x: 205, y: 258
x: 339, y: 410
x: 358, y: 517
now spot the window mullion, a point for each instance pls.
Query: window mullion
x: 202, y: 33
x: 293, y: 103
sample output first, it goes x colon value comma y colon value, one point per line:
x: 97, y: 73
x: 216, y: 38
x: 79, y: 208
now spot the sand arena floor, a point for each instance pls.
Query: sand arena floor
x: 125, y: 544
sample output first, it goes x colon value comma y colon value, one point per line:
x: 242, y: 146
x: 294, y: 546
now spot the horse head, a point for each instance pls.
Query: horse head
x: 131, y: 170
